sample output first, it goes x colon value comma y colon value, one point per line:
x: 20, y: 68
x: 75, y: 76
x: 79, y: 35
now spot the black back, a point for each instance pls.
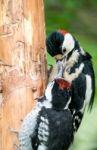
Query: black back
x: 60, y: 129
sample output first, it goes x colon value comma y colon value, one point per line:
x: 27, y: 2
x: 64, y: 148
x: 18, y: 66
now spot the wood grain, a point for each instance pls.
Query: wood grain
x: 22, y: 64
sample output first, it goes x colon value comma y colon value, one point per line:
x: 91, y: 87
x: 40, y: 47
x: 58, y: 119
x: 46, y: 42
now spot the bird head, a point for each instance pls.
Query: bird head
x: 58, y: 92
x: 60, y: 44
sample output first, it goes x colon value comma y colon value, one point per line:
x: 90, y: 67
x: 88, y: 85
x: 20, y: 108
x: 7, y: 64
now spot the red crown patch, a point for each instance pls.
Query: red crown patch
x: 63, y: 84
x: 62, y: 31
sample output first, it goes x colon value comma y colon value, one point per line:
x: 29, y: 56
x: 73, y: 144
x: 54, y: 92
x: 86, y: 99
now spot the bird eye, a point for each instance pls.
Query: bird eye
x: 64, y: 50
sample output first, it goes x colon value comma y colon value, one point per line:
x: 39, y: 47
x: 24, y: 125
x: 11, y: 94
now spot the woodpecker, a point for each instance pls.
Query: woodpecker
x: 49, y: 126
x: 77, y: 69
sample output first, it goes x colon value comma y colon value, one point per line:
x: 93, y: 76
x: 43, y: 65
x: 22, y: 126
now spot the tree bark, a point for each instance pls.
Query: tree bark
x: 22, y: 64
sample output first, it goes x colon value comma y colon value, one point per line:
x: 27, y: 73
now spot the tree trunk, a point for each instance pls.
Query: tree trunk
x: 22, y: 64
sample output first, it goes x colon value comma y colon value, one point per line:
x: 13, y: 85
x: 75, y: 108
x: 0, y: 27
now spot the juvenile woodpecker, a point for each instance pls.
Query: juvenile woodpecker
x: 49, y: 126
x: 77, y: 69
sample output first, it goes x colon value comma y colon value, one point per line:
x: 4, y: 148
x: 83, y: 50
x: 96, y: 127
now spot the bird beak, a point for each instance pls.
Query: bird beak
x: 58, y: 57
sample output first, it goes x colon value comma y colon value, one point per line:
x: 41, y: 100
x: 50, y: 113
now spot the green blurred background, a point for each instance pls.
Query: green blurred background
x: 79, y: 17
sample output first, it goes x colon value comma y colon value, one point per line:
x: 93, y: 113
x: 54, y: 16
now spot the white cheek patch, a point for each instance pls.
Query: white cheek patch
x: 48, y: 91
x: 68, y: 42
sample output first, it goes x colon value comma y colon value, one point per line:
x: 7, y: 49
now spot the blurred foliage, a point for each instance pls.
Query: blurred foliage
x: 79, y: 18
x: 76, y: 16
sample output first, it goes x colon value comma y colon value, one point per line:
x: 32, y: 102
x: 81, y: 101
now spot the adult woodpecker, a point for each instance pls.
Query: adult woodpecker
x: 77, y: 68
x: 49, y: 126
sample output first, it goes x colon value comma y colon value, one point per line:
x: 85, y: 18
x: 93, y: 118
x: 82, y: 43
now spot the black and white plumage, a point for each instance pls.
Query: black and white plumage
x: 77, y: 69
x: 49, y: 126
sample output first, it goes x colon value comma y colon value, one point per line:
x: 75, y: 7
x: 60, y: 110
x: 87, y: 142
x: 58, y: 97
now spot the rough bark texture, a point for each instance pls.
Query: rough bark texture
x: 22, y: 64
